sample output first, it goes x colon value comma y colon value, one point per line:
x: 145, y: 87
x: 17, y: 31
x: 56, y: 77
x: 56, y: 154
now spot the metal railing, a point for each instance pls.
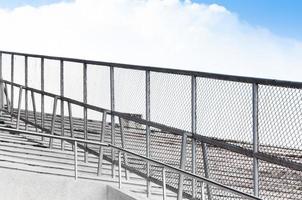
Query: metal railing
x: 220, y: 114
x: 164, y: 166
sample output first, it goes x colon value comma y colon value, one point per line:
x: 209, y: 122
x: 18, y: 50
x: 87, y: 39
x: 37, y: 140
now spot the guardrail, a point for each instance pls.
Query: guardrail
x: 257, y: 118
x: 164, y: 166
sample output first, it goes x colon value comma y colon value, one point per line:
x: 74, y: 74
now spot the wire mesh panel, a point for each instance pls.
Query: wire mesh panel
x: 98, y: 86
x: 280, y: 127
x: 278, y: 183
x: 231, y: 169
x: 130, y: 91
x: 6, y: 66
x: 52, y: 76
x: 34, y: 73
x: 224, y: 110
x: 73, y: 80
x: 171, y: 99
x: 19, y: 69
x: 135, y: 140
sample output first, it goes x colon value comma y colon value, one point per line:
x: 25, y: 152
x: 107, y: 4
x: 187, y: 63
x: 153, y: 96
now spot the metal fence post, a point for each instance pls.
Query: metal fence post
x: 42, y: 95
x: 75, y: 160
x: 193, y: 129
x: 26, y: 92
x: 255, y: 140
x: 202, y: 191
x: 112, y: 102
x: 6, y: 95
x: 70, y: 120
x: 85, y: 110
x: 120, y: 169
x: 148, y: 100
x: 19, y: 107
x: 34, y: 108
x: 62, y: 102
x: 182, y: 165
x: 1, y: 86
x: 102, y: 138
x: 12, y: 87
x: 164, y: 184
x: 53, y: 121
x: 203, y: 145
x: 121, y: 121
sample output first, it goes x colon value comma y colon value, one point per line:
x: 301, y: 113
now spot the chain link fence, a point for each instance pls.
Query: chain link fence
x: 250, y: 128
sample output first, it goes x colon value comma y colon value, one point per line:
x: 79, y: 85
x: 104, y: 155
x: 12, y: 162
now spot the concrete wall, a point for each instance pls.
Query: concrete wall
x: 20, y: 185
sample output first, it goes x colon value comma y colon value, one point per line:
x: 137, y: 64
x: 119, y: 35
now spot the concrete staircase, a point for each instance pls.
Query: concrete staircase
x: 31, y: 154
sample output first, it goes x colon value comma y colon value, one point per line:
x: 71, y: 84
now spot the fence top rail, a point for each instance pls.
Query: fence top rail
x: 241, y: 79
x: 208, y: 181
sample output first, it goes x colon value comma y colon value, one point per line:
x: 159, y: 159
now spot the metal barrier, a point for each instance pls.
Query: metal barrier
x: 164, y: 166
x: 248, y: 125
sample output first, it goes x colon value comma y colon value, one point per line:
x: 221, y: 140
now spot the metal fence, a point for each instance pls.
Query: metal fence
x: 243, y: 132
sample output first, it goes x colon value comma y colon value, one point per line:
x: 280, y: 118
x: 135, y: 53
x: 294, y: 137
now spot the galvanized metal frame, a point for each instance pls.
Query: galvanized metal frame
x: 26, y: 85
x: 204, y: 140
x: 183, y: 157
x: 62, y: 102
x: 182, y: 173
x: 1, y: 86
x: 148, y: 118
x: 19, y: 108
x: 102, y: 139
x: 241, y: 79
x: 255, y: 140
x: 85, y: 110
x: 176, y: 131
x: 42, y: 95
x: 112, y: 106
x: 54, y: 113
x: 123, y: 141
x: 12, y: 87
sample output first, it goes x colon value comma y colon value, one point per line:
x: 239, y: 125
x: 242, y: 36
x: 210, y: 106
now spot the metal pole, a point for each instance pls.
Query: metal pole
x: 102, y: 138
x: 120, y: 169
x: 164, y: 184
x: 1, y: 86
x: 148, y: 131
x: 62, y: 102
x: 123, y: 144
x: 6, y: 95
x: 203, y: 145
x: 206, y: 167
x: 53, y: 121
x: 12, y: 87
x: 193, y: 128
x: 75, y: 160
x: 42, y: 95
x: 85, y: 110
x: 19, y: 107
x: 26, y: 91
x: 34, y: 108
x: 112, y: 101
x: 255, y: 140
x: 182, y: 165
x: 70, y: 119
x: 203, y: 197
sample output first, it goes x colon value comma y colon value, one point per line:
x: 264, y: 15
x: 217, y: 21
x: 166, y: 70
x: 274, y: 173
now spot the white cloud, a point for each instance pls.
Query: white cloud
x: 166, y: 33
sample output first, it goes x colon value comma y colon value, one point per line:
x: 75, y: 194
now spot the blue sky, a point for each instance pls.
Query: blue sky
x: 282, y: 17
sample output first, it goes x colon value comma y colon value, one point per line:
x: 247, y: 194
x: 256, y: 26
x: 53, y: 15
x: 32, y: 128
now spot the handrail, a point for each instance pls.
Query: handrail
x: 194, y: 176
x: 175, y: 131
x: 241, y: 79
